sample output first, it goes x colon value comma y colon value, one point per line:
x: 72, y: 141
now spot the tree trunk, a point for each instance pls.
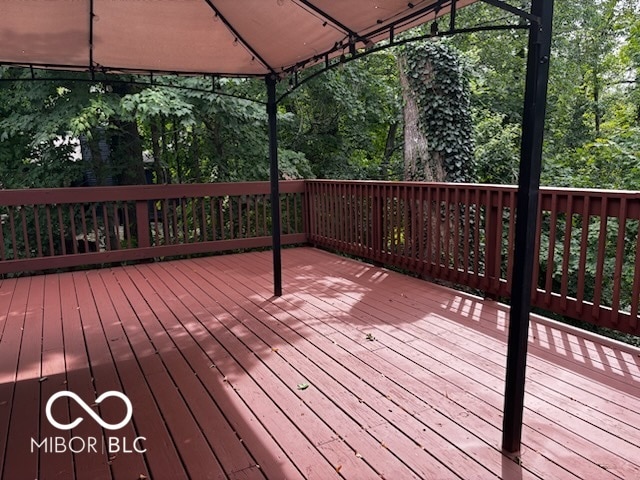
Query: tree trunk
x: 126, y: 146
x: 389, y: 148
x: 596, y: 101
x: 419, y: 163
x: 156, y: 133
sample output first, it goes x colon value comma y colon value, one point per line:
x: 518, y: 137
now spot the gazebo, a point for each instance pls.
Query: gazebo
x: 281, y: 40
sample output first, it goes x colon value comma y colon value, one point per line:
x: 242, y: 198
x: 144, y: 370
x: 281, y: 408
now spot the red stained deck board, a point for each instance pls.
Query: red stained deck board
x: 53, y: 465
x: 467, y: 362
x: 471, y: 372
x: 376, y: 400
x: 363, y: 446
x: 229, y: 450
x: 293, y: 442
x: 409, y: 392
x: 566, y: 402
x: 196, y: 455
x: 408, y: 293
x: 246, y: 424
x: 540, y: 364
x: 106, y: 379
x: 161, y: 456
x: 24, y: 420
x: 80, y: 380
x: 239, y: 417
x: 9, y: 354
x: 247, y: 360
x: 155, y: 330
x: 460, y: 329
x: 353, y: 346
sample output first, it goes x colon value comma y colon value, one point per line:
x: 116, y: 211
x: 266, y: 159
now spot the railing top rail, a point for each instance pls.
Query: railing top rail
x: 417, y: 184
x: 493, y: 187
x: 36, y: 196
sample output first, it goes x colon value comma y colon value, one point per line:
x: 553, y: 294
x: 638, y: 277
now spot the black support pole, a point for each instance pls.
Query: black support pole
x: 535, y: 100
x: 272, y: 106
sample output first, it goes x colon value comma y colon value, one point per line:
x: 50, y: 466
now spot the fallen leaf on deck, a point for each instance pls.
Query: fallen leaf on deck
x: 338, y: 468
x: 303, y: 386
x: 358, y: 455
x: 274, y: 349
x: 370, y: 337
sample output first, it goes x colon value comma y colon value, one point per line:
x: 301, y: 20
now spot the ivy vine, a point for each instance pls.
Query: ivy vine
x: 437, y: 77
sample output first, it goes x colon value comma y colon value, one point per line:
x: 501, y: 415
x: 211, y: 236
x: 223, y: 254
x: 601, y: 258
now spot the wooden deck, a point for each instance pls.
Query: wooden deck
x: 405, y: 378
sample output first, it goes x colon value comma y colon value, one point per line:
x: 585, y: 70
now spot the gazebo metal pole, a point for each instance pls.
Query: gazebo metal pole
x: 272, y: 106
x: 535, y: 100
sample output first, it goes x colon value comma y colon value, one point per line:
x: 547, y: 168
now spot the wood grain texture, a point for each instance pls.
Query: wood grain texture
x: 405, y: 378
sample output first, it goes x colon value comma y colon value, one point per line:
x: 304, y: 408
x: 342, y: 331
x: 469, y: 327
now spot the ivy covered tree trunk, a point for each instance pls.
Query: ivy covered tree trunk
x: 437, y: 114
x: 420, y: 165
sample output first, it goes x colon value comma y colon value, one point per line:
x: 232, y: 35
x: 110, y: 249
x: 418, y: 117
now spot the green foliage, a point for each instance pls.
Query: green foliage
x: 342, y: 120
x: 497, y: 152
x: 439, y: 84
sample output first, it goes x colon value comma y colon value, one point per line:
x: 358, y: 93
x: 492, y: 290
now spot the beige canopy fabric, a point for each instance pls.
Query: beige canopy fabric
x: 221, y: 37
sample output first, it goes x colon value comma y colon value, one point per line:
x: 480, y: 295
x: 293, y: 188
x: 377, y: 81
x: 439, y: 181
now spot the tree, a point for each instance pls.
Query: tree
x: 347, y: 121
x: 438, y: 126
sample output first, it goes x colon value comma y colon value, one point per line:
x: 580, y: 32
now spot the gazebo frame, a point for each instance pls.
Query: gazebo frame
x: 538, y: 21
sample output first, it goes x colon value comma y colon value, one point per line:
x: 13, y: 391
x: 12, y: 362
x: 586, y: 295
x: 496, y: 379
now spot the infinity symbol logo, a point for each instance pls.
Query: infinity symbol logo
x: 89, y: 410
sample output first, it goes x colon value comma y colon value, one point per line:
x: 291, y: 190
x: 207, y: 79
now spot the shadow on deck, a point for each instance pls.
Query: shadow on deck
x: 405, y: 378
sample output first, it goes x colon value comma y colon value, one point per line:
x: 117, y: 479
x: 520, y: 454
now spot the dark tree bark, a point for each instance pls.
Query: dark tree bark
x: 389, y: 148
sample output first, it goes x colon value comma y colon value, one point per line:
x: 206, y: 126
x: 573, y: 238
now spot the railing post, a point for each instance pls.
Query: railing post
x: 376, y: 223
x: 306, y: 212
x: 142, y: 223
x: 492, y: 247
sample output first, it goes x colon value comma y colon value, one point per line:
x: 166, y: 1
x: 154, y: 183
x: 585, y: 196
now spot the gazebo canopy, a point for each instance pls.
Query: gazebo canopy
x: 222, y: 37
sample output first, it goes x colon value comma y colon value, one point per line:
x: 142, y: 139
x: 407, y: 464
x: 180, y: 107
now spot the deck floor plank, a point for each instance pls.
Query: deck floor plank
x: 146, y: 340
x: 80, y: 380
x: 474, y: 368
x: 625, y: 467
x: 414, y: 394
x: 352, y: 346
x: 106, y: 379
x: 162, y: 456
x: 297, y: 376
x: 578, y: 414
x: 266, y: 407
x: 379, y: 398
x: 53, y: 465
x: 25, y: 421
x: 240, y: 418
x: 12, y: 333
x: 229, y: 450
x: 211, y: 363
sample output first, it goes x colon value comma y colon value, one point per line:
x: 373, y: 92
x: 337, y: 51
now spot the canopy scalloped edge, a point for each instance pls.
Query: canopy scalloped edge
x: 211, y: 37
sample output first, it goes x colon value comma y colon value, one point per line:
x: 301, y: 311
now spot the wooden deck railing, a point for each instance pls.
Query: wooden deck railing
x: 588, y: 247
x: 55, y: 228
